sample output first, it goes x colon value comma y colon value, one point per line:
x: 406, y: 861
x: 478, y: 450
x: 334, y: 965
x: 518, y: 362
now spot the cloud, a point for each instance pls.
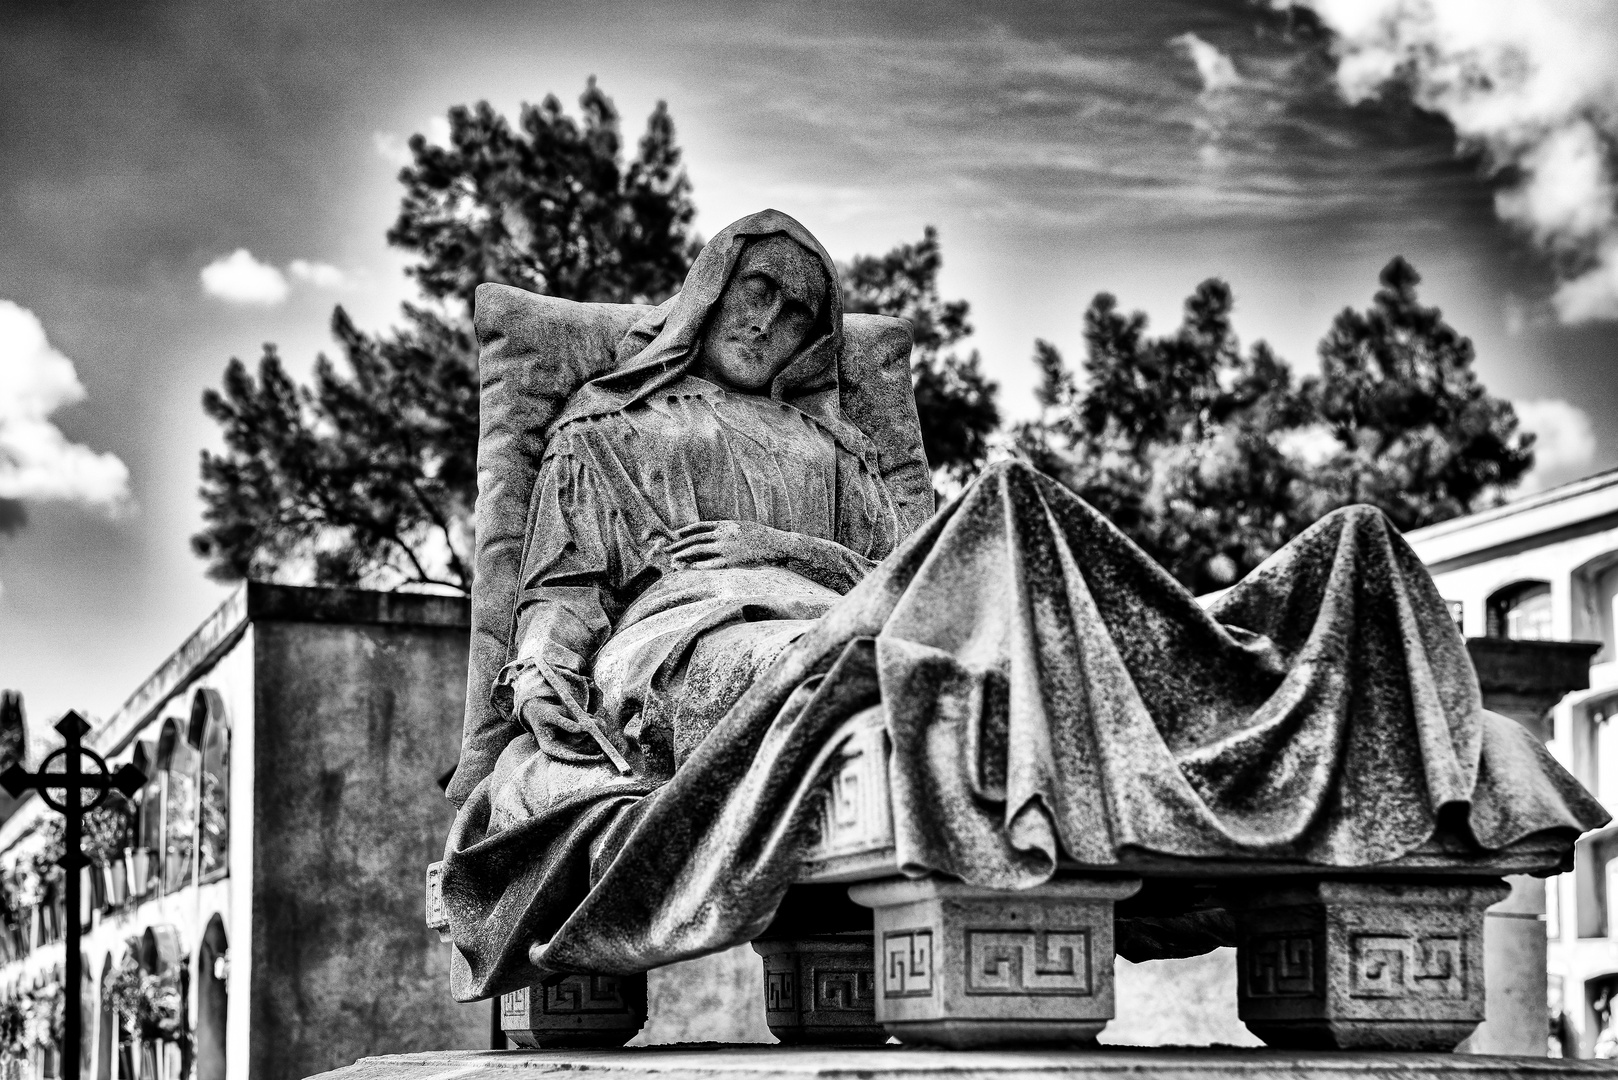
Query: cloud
x: 1217, y: 70
x: 1593, y: 294
x: 391, y: 147
x: 1565, y: 442
x: 241, y: 279
x: 37, y: 461
x: 320, y: 275
x: 394, y: 148
x: 1530, y: 85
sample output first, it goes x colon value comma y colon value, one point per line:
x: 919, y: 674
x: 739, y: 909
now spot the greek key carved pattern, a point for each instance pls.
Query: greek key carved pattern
x: 844, y: 991
x: 514, y: 1003
x: 586, y: 994
x: 852, y: 814
x: 1028, y: 962
x: 845, y: 820
x: 779, y: 992
x: 907, y: 963
x: 1406, y: 965
x: 1282, y: 966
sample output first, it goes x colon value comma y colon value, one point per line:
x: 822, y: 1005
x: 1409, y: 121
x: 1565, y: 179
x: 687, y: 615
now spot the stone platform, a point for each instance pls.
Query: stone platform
x: 715, y: 1062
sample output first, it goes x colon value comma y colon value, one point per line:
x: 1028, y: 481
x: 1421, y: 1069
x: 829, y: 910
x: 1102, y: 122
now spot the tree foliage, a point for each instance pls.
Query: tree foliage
x: 368, y: 476
x: 954, y: 399
x: 1415, y: 432
x: 1211, y: 458
x: 549, y: 206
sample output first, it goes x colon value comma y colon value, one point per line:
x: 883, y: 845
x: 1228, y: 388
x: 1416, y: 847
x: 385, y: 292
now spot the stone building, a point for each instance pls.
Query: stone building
x: 255, y: 911
x: 1542, y: 574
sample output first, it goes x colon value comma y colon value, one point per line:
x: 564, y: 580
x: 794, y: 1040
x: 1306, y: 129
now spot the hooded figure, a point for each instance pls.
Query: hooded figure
x: 715, y: 584
x: 628, y: 644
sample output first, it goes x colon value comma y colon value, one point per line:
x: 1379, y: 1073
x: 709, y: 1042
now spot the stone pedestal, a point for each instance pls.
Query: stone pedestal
x: 1354, y: 965
x: 821, y: 990
x: 961, y: 966
x: 576, y: 1011
x: 905, y: 1063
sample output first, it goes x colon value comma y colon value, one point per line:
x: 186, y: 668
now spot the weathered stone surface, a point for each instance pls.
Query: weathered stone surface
x: 711, y: 664
x: 1354, y: 965
x: 962, y: 966
x: 896, y: 1063
x: 575, y: 1011
x: 821, y: 990
x: 854, y: 833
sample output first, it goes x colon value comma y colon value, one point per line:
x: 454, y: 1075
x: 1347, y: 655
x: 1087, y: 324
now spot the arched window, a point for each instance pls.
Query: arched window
x: 145, y: 859
x: 178, y: 763
x: 212, y: 1001
x: 210, y: 729
x: 106, y: 1027
x: 1521, y: 612
x: 162, y: 954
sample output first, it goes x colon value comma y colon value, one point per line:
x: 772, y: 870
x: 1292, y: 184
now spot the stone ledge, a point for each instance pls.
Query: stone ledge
x: 694, y: 1062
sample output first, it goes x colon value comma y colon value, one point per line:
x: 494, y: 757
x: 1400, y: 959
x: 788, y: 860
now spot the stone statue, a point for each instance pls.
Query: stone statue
x: 709, y: 551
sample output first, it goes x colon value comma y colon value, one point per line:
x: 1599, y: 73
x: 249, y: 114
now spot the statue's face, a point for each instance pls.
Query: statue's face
x: 772, y: 301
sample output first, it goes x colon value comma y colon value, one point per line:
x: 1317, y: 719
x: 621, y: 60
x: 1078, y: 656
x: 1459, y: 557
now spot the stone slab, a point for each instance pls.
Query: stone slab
x: 714, y: 1062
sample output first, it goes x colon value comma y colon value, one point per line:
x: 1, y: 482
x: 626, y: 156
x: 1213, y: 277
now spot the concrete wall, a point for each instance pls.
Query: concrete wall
x: 357, y: 710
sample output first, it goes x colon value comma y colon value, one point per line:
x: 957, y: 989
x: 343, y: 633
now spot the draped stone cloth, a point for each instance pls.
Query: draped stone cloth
x: 1050, y: 692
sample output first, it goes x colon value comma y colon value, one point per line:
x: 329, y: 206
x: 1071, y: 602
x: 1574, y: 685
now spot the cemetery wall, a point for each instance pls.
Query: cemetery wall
x: 357, y: 706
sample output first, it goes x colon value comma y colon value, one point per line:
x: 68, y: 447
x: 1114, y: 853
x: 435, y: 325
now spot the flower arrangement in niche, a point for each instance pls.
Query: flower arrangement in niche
x: 47, y: 1017
x: 108, y: 828
x: 14, y: 1029
x: 152, y: 1006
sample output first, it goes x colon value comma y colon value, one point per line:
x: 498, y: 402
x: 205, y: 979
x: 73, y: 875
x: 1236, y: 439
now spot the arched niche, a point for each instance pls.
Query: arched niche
x: 1595, y: 604
x: 106, y: 1028
x: 179, y: 767
x: 145, y: 851
x: 213, y: 1003
x: 1521, y: 611
x: 162, y: 952
x: 210, y: 733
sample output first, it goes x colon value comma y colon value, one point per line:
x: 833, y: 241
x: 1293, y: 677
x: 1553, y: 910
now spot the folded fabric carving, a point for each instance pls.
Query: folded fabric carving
x: 644, y: 740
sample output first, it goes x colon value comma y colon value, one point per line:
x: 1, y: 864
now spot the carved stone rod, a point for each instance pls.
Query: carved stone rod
x: 963, y: 966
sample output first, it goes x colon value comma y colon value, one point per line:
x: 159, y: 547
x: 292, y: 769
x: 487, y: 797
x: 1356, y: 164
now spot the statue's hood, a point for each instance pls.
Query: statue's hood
x: 662, y: 347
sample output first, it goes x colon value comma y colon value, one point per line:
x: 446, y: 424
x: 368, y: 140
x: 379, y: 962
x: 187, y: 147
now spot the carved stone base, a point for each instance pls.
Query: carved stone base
x: 821, y: 990
x: 1353, y: 965
x: 576, y: 1011
x: 961, y: 966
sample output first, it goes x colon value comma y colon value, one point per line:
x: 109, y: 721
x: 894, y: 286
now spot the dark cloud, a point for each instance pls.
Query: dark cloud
x: 13, y: 516
x: 1063, y: 147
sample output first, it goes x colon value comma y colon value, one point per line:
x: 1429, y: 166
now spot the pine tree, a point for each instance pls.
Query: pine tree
x: 1415, y: 432
x: 954, y: 399
x: 368, y: 476
x: 1211, y: 459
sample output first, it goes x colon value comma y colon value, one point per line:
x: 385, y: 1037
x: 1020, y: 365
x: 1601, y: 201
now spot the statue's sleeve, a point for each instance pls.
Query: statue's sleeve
x: 571, y: 568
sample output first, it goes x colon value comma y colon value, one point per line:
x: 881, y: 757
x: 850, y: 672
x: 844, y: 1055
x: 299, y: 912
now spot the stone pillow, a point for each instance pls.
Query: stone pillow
x: 535, y: 352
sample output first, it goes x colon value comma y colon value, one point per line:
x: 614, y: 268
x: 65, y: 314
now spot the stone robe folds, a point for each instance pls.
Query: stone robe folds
x: 1050, y: 693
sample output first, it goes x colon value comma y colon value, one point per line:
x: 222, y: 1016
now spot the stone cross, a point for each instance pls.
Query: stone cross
x: 71, y: 784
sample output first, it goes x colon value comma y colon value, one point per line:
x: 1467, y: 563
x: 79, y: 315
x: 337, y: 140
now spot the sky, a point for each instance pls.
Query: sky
x: 182, y: 182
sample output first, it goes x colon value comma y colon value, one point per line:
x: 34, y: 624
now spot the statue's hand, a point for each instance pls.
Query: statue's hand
x: 715, y: 545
